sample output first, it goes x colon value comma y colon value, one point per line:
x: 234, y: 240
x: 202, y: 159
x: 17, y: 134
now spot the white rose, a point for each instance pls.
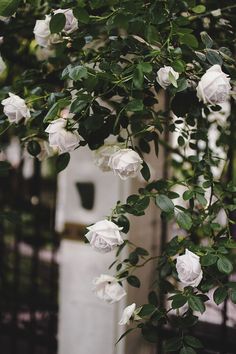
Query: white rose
x: 127, y: 314
x: 164, y: 76
x: 43, y: 35
x: 189, y: 269
x: 2, y: 65
x: 214, y: 86
x: 61, y: 138
x: 102, y: 156
x: 125, y: 163
x: 71, y: 21
x: 108, y: 289
x: 15, y: 108
x: 104, y: 236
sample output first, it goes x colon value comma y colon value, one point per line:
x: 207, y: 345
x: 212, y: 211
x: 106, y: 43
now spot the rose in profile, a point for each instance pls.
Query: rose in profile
x: 166, y: 76
x: 126, y: 163
x: 15, y: 108
x: 61, y: 138
x: 214, y: 86
x: 189, y: 269
x: 127, y: 314
x: 107, y: 288
x: 104, y: 236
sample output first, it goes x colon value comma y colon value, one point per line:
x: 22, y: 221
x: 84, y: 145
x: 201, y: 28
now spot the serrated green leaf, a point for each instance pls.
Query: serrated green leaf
x: 165, y: 203
x: 134, y: 281
x: 184, y: 220
x: 224, y: 265
x: 196, y: 304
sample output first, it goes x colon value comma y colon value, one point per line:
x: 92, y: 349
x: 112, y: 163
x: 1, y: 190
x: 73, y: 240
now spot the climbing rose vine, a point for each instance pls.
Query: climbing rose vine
x: 75, y: 73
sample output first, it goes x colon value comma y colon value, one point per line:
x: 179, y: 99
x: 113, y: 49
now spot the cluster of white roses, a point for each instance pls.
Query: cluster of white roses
x: 104, y: 236
x: 213, y: 88
x: 43, y: 35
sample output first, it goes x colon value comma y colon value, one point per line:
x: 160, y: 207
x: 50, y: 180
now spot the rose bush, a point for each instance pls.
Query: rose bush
x: 102, y: 67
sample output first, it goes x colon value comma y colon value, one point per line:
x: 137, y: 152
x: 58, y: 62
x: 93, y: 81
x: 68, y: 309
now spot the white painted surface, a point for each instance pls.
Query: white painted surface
x: 108, y: 189
x: 87, y: 325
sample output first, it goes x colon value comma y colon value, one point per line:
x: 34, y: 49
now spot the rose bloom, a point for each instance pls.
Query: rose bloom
x: 189, y: 269
x: 43, y: 35
x: 163, y: 76
x: 61, y: 138
x: 102, y: 156
x: 127, y: 314
x: 214, y: 86
x: 126, y: 163
x: 104, y: 236
x: 108, y: 289
x: 15, y: 108
x: 71, y: 21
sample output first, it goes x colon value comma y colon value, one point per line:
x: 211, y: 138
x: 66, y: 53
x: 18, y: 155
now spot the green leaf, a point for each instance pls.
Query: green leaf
x: 33, y: 148
x: 201, y: 199
x: 220, y: 295
x: 208, y: 259
x: 53, y: 112
x: 184, y: 220
x: 165, y: 203
x: 193, y: 342
x: 213, y: 57
x: 145, y: 67
x: 189, y: 39
x: 188, y: 195
x: 224, y: 265
x: 78, y: 72
x: 173, y: 344
x: 138, y: 78
x: 8, y: 7
x: 133, y: 258
x: 145, y: 171
x: 199, y: 9
x: 57, y: 23
x: 81, y: 15
x: 62, y: 161
x: 133, y: 281
x: 206, y: 39
x: 196, y: 304
x: 147, y: 310
x: 135, y: 105
x: 187, y: 350
x: 152, y: 298
x: 178, y: 301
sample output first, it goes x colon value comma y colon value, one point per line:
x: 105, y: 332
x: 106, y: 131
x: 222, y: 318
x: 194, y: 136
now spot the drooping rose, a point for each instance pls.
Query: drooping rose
x: 15, y: 108
x: 102, y: 156
x: 127, y: 314
x: 71, y: 24
x: 189, y: 269
x: 214, y: 86
x: 60, y: 137
x: 104, y: 236
x: 108, y: 289
x: 126, y: 163
x: 164, y: 76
